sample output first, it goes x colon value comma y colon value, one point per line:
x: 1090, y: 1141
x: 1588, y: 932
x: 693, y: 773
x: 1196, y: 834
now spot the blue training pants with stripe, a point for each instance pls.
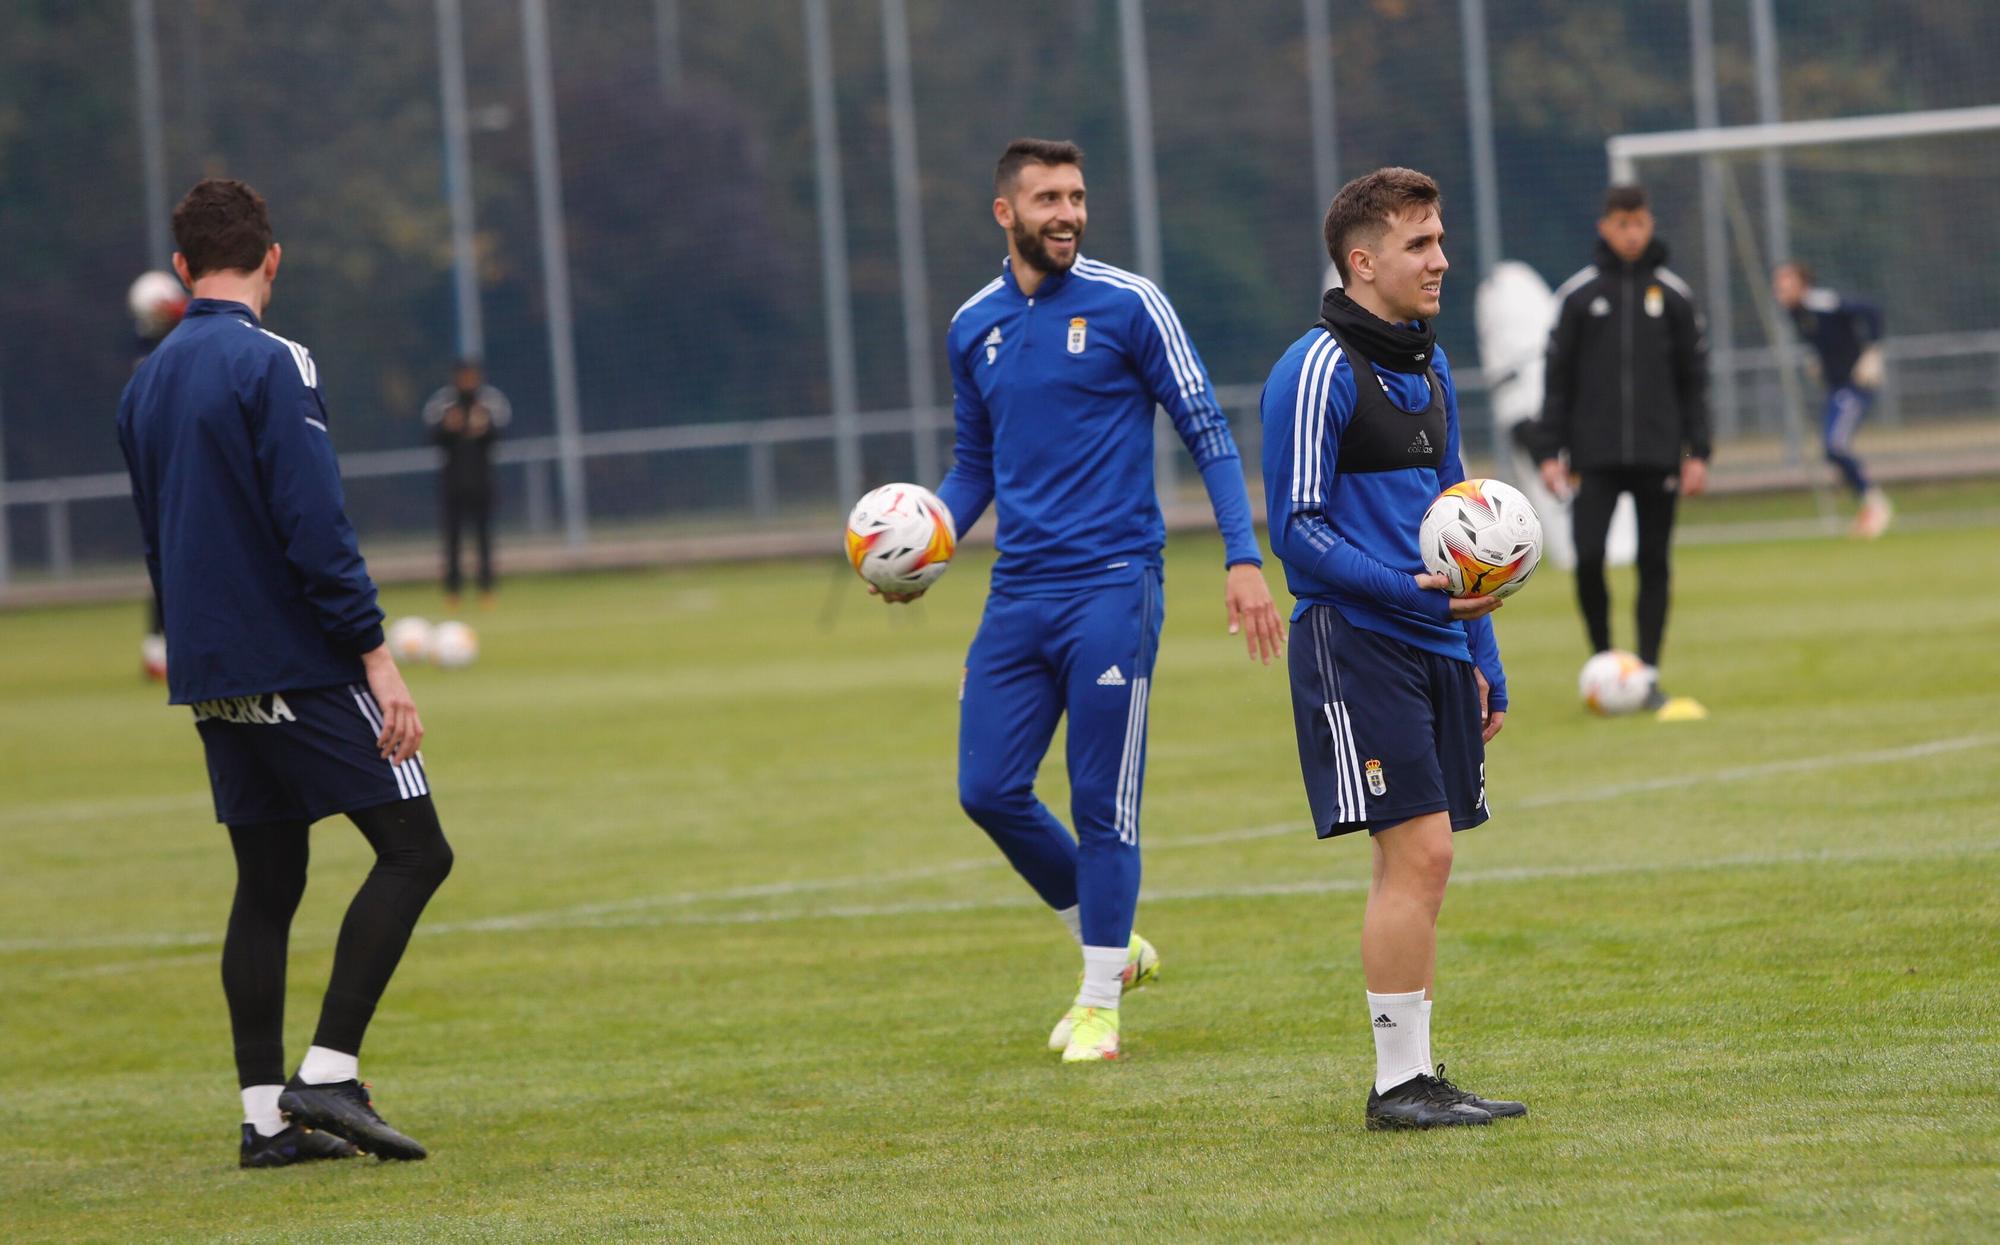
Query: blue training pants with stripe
x: 1844, y: 408
x: 1088, y: 654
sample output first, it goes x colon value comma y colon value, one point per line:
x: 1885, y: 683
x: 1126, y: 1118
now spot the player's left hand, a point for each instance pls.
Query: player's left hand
x: 1694, y: 477
x: 1490, y: 720
x: 402, y: 731
x: 1251, y: 613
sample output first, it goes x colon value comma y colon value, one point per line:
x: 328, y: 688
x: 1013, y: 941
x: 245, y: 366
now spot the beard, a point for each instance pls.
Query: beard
x: 1036, y: 254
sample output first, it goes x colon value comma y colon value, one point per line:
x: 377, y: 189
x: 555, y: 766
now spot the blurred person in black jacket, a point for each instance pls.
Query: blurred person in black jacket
x: 1627, y: 405
x: 465, y: 419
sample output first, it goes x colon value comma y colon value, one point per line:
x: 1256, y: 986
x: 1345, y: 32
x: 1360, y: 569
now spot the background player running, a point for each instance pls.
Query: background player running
x: 277, y: 644
x: 1056, y: 366
x: 1396, y: 687
x: 1843, y: 333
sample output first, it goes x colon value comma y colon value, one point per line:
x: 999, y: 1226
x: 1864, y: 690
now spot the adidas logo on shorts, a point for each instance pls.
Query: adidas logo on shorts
x: 1111, y: 678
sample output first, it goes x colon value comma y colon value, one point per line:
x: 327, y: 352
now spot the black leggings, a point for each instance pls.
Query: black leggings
x: 1654, y: 491
x: 462, y: 510
x: 412, y: 860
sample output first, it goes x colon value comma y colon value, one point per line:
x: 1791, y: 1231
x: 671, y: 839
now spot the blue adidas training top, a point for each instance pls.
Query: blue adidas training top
x: 1350, y: 541
x: 247, y: 539
x: 1053, y: 397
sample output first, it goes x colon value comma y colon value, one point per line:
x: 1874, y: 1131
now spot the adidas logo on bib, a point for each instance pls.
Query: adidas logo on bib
x: 1422, y: 445
x: 1111, y: 678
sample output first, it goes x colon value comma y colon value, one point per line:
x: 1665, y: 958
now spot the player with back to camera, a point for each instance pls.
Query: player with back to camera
x: 1056, y: 366
x: 1396, y: 686
x: 1843, y: 333
x: 277, y: 646
x: 1626, y: 401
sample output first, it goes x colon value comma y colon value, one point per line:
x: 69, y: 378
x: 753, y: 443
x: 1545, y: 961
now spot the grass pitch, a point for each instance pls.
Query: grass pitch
x: 721, y: 958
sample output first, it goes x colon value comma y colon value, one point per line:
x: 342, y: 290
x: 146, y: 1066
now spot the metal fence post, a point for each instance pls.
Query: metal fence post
x: 152, y: 139
x: 1145, y: 198
x: 1764, y: 45
x: 1479, y: 120
x: 1715, y: 244
x: 1320, y: 103
x: 458, y: 180
x: 910, y: 238
x: 60, y: 560
x: 6, y: 537
x: 555, y: 267
x: 834, y: 292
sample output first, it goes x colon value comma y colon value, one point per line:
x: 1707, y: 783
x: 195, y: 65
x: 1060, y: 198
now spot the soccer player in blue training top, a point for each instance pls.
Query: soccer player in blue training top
x: 277, y: 645
x: 1056, y: 366
x: 1843, y: 333
x: 1396, y: 686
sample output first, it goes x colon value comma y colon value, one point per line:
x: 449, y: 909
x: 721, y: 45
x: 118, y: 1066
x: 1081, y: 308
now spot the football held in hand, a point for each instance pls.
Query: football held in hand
x: 1483, y: 537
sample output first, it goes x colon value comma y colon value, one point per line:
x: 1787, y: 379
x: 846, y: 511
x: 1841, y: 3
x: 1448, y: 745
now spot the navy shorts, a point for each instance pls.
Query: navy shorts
x: 300, y: 756
x: 1387, y: 731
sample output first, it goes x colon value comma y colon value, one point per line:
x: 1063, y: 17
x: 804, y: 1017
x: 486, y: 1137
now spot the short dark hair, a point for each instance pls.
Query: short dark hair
x: 1024, y: 151
x: 1627, y: 198
x: 1360, y: 213
x: 221, y: 226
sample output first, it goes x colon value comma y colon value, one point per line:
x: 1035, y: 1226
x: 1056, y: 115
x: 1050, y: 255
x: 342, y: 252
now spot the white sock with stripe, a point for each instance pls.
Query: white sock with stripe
x: 1398, y: 1022
x: 323, y: 1067
x: 1072, y: 919
x: 1103, y: 973
x: 260, y: 1109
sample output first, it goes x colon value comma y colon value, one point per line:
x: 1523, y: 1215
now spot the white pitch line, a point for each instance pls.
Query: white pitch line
x: 1255, y: 890
x: 1315, y: 886
x: 580, y: 915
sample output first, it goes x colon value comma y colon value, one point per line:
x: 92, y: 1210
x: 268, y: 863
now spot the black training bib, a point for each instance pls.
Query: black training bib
x: 1382, y: 436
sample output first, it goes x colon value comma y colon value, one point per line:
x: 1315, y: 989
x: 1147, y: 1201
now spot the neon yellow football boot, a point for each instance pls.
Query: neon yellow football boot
x: 1142, y: 968
x: 1095, y: 1036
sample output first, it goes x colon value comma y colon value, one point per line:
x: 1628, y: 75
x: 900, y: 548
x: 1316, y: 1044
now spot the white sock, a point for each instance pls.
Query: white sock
x: 323, y: 1066
x: 260, y: 1109
x: 1430, y: 1064
x: 1398, y: 1021
x: 1072, y: 919
x: 1102, y: 969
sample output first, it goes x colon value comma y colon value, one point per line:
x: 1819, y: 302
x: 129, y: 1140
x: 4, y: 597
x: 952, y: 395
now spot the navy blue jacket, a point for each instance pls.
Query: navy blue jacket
x: 1838, y: 329
x: 1053, y: 398
x: 247, y: 539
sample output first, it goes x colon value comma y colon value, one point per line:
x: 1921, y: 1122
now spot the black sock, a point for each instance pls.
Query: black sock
x: 411, y: 862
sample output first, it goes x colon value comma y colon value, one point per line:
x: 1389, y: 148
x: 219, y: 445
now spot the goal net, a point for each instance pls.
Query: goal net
x: 1899, y: 210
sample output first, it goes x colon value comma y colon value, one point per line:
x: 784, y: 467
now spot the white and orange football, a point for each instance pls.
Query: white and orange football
x: 900, y: 538
x: 1483, y: 537
x: 1614, y: 682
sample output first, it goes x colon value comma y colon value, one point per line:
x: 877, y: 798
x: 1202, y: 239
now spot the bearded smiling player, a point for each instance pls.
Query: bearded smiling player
x: 1056, y: 366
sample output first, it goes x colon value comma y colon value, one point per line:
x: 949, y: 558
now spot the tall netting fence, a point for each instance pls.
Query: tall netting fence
x: 765, y: 235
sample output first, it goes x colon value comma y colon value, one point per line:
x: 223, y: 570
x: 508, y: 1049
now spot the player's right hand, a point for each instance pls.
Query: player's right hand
x: 1555, y: 478
x: 1462, y: 608
x: 893, y: 598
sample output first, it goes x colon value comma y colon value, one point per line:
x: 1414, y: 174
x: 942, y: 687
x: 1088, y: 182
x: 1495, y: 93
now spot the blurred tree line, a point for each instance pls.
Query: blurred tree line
x: 689, y: 186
